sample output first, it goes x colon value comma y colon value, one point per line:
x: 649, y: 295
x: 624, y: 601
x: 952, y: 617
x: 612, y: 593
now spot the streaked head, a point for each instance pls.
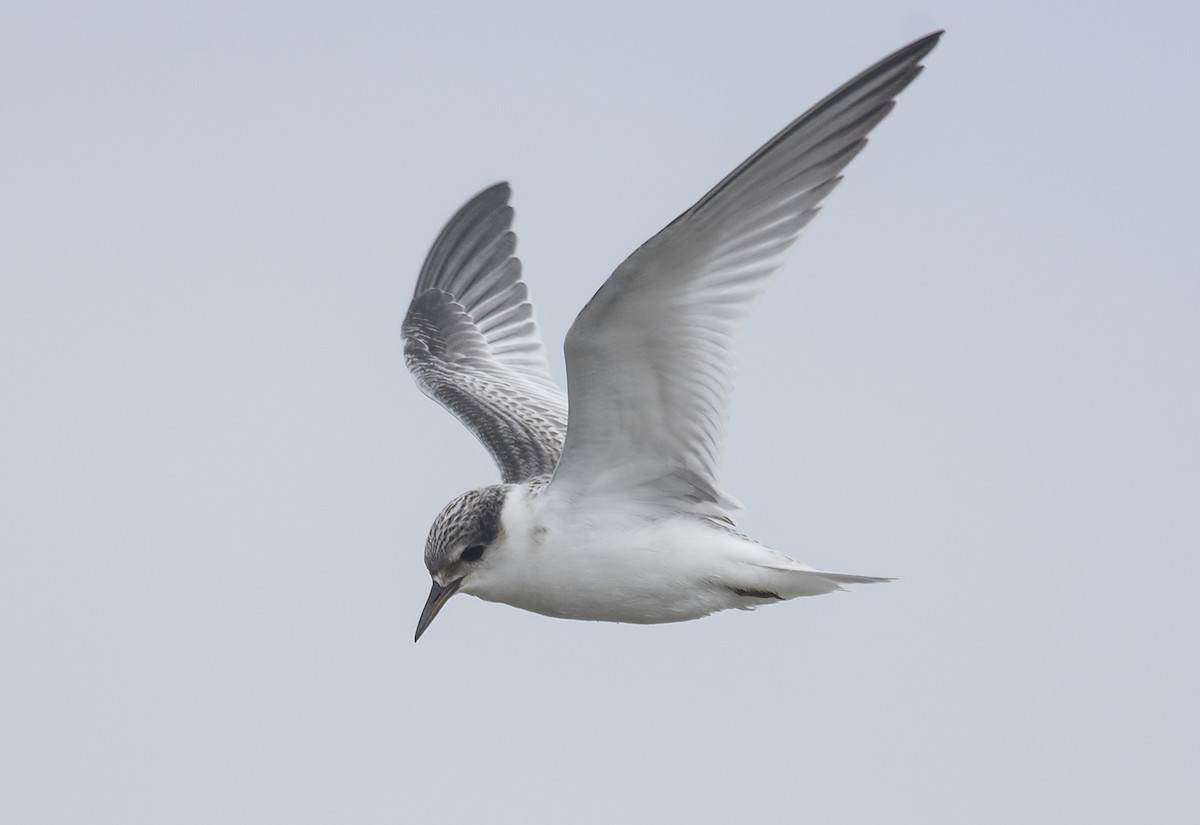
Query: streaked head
x: 458, y: 544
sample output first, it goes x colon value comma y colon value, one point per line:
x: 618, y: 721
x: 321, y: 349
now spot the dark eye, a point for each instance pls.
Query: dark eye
x: 472, y: 553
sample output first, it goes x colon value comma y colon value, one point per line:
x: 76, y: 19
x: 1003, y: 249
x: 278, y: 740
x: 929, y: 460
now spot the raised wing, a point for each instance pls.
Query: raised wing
x: 650, y: 359
x: 471, y: 343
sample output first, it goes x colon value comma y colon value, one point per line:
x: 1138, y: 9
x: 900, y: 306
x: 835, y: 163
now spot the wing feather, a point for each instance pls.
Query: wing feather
x: 471, y: 342
x: 650, y: 359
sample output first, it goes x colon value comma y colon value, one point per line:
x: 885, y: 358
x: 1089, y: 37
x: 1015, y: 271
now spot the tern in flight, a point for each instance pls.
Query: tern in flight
x: 610, y: 507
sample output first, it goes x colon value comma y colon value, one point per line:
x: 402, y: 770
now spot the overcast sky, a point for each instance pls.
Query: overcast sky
x: 979, y: 371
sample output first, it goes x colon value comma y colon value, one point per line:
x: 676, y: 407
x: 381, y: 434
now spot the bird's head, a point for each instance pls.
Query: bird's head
x: 458, y: 545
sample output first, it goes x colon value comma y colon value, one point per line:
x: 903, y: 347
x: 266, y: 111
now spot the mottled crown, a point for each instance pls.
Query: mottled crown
x: 472, y: 518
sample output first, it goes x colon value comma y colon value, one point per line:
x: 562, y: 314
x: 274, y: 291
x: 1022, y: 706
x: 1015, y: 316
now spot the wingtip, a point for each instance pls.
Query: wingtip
x: 924, y: 45
x: 497, y: 194
x: 501, y: 187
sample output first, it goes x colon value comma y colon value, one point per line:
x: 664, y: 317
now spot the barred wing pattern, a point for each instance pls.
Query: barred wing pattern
x: 472, y: 345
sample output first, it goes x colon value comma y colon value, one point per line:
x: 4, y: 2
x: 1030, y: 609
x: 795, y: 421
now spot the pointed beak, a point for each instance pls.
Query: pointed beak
x: 438, y: 596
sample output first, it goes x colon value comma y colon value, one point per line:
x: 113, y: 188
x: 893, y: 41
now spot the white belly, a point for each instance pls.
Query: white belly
x: 666, y: 571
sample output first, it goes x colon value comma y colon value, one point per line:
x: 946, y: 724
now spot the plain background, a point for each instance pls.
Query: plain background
x: 979, y: 372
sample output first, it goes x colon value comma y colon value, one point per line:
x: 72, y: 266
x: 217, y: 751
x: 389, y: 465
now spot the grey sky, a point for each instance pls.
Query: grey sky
x: 979, y: 372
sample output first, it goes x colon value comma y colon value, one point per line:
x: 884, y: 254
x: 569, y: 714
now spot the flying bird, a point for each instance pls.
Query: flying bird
x: 613, y: 511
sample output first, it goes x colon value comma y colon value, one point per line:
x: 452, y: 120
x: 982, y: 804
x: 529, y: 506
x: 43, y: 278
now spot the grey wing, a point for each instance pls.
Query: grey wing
x: 650, y: 359
x: 472, y: 345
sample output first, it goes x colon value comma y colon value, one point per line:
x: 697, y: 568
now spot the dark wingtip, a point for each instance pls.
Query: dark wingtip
x: 500, y: 189
x: 924, y: 45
